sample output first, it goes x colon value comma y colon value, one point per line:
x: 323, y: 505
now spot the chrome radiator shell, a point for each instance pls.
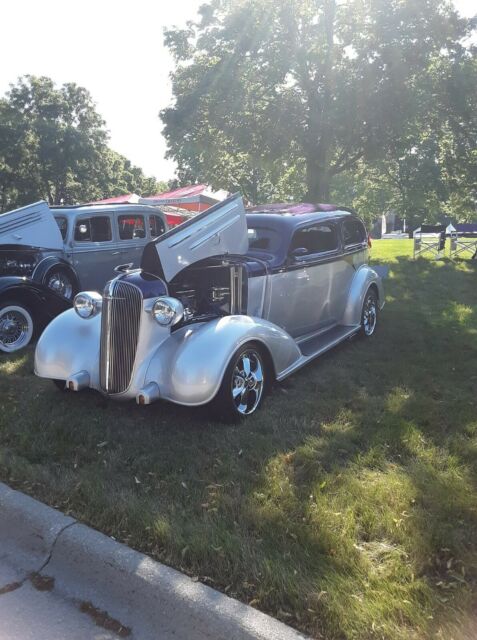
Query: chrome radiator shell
x: 120, y: 324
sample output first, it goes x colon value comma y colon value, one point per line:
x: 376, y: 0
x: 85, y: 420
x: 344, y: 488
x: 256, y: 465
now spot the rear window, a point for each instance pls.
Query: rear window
x: 318, y: 238
x: 131, y: 227
x: 353, y: 232
x: 263, y: 239
x: 97, y: 229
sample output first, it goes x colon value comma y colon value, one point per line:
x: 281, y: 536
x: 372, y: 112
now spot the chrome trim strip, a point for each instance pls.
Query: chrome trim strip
x: 27, y: 219
x: 60, y: 262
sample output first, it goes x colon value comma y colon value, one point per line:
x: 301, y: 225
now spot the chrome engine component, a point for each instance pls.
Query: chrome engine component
x: 213, y: 290
x: 220, y: 294
x: 188, y: 297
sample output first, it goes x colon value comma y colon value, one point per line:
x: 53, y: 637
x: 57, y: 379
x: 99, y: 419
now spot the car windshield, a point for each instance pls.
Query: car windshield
x: 263, y: 239
x: 62, y: 224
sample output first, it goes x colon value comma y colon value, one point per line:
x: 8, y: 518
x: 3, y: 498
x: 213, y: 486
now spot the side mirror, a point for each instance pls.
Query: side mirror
x: 299, y: 252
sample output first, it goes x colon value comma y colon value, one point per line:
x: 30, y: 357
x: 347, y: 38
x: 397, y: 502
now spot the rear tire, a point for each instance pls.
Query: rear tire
x: 369, y: 314
x: 16, y: 326
x: 243, y: 386
x: 60, y: 384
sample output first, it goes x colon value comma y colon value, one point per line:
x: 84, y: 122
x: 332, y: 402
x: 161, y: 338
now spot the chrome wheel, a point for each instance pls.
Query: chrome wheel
x: 247, y: 382
x: 16, y: 328
x: 370, y: 314
x: 60, y: 282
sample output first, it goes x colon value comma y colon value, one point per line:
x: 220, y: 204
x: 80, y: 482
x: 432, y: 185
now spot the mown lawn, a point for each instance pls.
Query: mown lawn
x: 347, y: 507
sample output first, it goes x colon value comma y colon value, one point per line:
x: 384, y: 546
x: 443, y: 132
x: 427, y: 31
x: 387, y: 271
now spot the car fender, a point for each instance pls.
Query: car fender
x: 69, y: 344
x: 364, y: 278
x: 43, y: 303
x: 188, y: 367
x: 45, y: 265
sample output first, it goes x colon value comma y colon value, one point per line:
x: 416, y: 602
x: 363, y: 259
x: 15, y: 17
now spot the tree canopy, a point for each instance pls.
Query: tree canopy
x: 285, y: 98
x: 54, y: 146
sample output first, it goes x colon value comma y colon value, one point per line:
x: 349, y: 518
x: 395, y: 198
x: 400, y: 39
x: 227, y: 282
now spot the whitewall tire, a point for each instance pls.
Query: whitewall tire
x: 16, y: 327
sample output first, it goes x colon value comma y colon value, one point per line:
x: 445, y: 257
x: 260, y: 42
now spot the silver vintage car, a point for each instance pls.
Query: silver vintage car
x: 69, y: 248
x: 222, y: 306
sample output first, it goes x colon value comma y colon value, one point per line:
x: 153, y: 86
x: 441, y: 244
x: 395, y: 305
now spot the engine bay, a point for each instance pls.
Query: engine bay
x: 15, y: 262
x: 217, y: 288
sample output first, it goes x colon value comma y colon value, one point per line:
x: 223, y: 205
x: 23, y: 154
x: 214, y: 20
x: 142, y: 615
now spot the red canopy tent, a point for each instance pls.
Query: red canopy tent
x: 196, y: 198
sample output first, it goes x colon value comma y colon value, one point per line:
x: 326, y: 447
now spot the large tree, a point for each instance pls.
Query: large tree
x: 53, y: 145
x: 430, y: 171
x: 268, y: 88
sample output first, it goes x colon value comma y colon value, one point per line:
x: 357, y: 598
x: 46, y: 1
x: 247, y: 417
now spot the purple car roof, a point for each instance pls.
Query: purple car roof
x: 285, y: 219
x: 295, y: 208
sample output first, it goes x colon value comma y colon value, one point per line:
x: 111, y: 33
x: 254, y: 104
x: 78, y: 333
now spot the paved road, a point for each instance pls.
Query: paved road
x: 31, y: 613
x: 77, y: 564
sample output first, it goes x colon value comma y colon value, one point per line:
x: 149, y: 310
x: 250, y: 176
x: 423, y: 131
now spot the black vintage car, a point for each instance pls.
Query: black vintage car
x: 30, y: 274
x: 26, y: 307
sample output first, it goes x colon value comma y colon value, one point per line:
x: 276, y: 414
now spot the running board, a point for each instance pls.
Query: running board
x: 316, y: 345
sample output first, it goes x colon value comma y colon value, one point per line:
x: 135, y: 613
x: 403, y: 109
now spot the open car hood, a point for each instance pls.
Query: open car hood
x: 220, y: 230
x: 32, y: 226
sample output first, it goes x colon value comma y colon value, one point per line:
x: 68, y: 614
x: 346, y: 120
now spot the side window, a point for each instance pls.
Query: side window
x: 353, y: 232
x: 95, y: 229
x: 131, y: 227
x: 316, y: 239
x: 62, y: 225
x: 156, y: 226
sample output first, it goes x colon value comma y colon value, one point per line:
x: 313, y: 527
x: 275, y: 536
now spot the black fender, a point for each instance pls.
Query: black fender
x: 42, y: 268
x: 43, y: 303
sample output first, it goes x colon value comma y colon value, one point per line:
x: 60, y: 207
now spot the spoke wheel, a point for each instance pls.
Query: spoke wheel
x: 243, y: 385
x: 369, y: 317
x: 60, y: 281
x: 16, y: 328
x: 247, y: 382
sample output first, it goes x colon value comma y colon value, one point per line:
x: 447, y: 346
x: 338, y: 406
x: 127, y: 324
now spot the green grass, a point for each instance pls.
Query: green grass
x: 347, y: 507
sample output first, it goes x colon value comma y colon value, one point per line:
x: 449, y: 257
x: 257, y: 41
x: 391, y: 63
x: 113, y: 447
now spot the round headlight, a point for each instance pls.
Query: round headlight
x: 87, y: 304
x: 167, y: 311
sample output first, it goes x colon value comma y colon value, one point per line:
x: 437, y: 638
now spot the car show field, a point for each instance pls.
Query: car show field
x: 346, y: 507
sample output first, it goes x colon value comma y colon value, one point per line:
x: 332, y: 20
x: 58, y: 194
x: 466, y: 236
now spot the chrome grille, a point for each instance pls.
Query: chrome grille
x: 120, y: 320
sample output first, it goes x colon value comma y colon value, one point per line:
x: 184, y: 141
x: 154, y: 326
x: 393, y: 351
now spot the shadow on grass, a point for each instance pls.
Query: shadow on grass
x: 345, y: 507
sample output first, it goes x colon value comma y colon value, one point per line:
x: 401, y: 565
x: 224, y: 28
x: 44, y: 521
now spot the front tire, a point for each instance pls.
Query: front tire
x: 369, y: 314
x: 16, y: 326
x: 243, y: 386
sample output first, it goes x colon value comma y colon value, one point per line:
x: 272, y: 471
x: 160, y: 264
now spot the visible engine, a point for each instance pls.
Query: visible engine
x: 216, y: 288
x: 17, y: 262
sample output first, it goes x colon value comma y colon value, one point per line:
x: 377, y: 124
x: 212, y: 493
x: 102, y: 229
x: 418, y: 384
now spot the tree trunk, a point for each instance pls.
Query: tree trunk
x: 3, y: 200
x: 317, y: 180
x: 320, y: 138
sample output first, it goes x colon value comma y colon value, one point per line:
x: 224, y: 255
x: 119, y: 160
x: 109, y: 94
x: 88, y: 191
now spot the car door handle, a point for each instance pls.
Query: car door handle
x: 115, y: 253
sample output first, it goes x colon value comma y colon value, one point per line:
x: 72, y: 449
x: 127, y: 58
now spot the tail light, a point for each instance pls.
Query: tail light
x: 370, y: 244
